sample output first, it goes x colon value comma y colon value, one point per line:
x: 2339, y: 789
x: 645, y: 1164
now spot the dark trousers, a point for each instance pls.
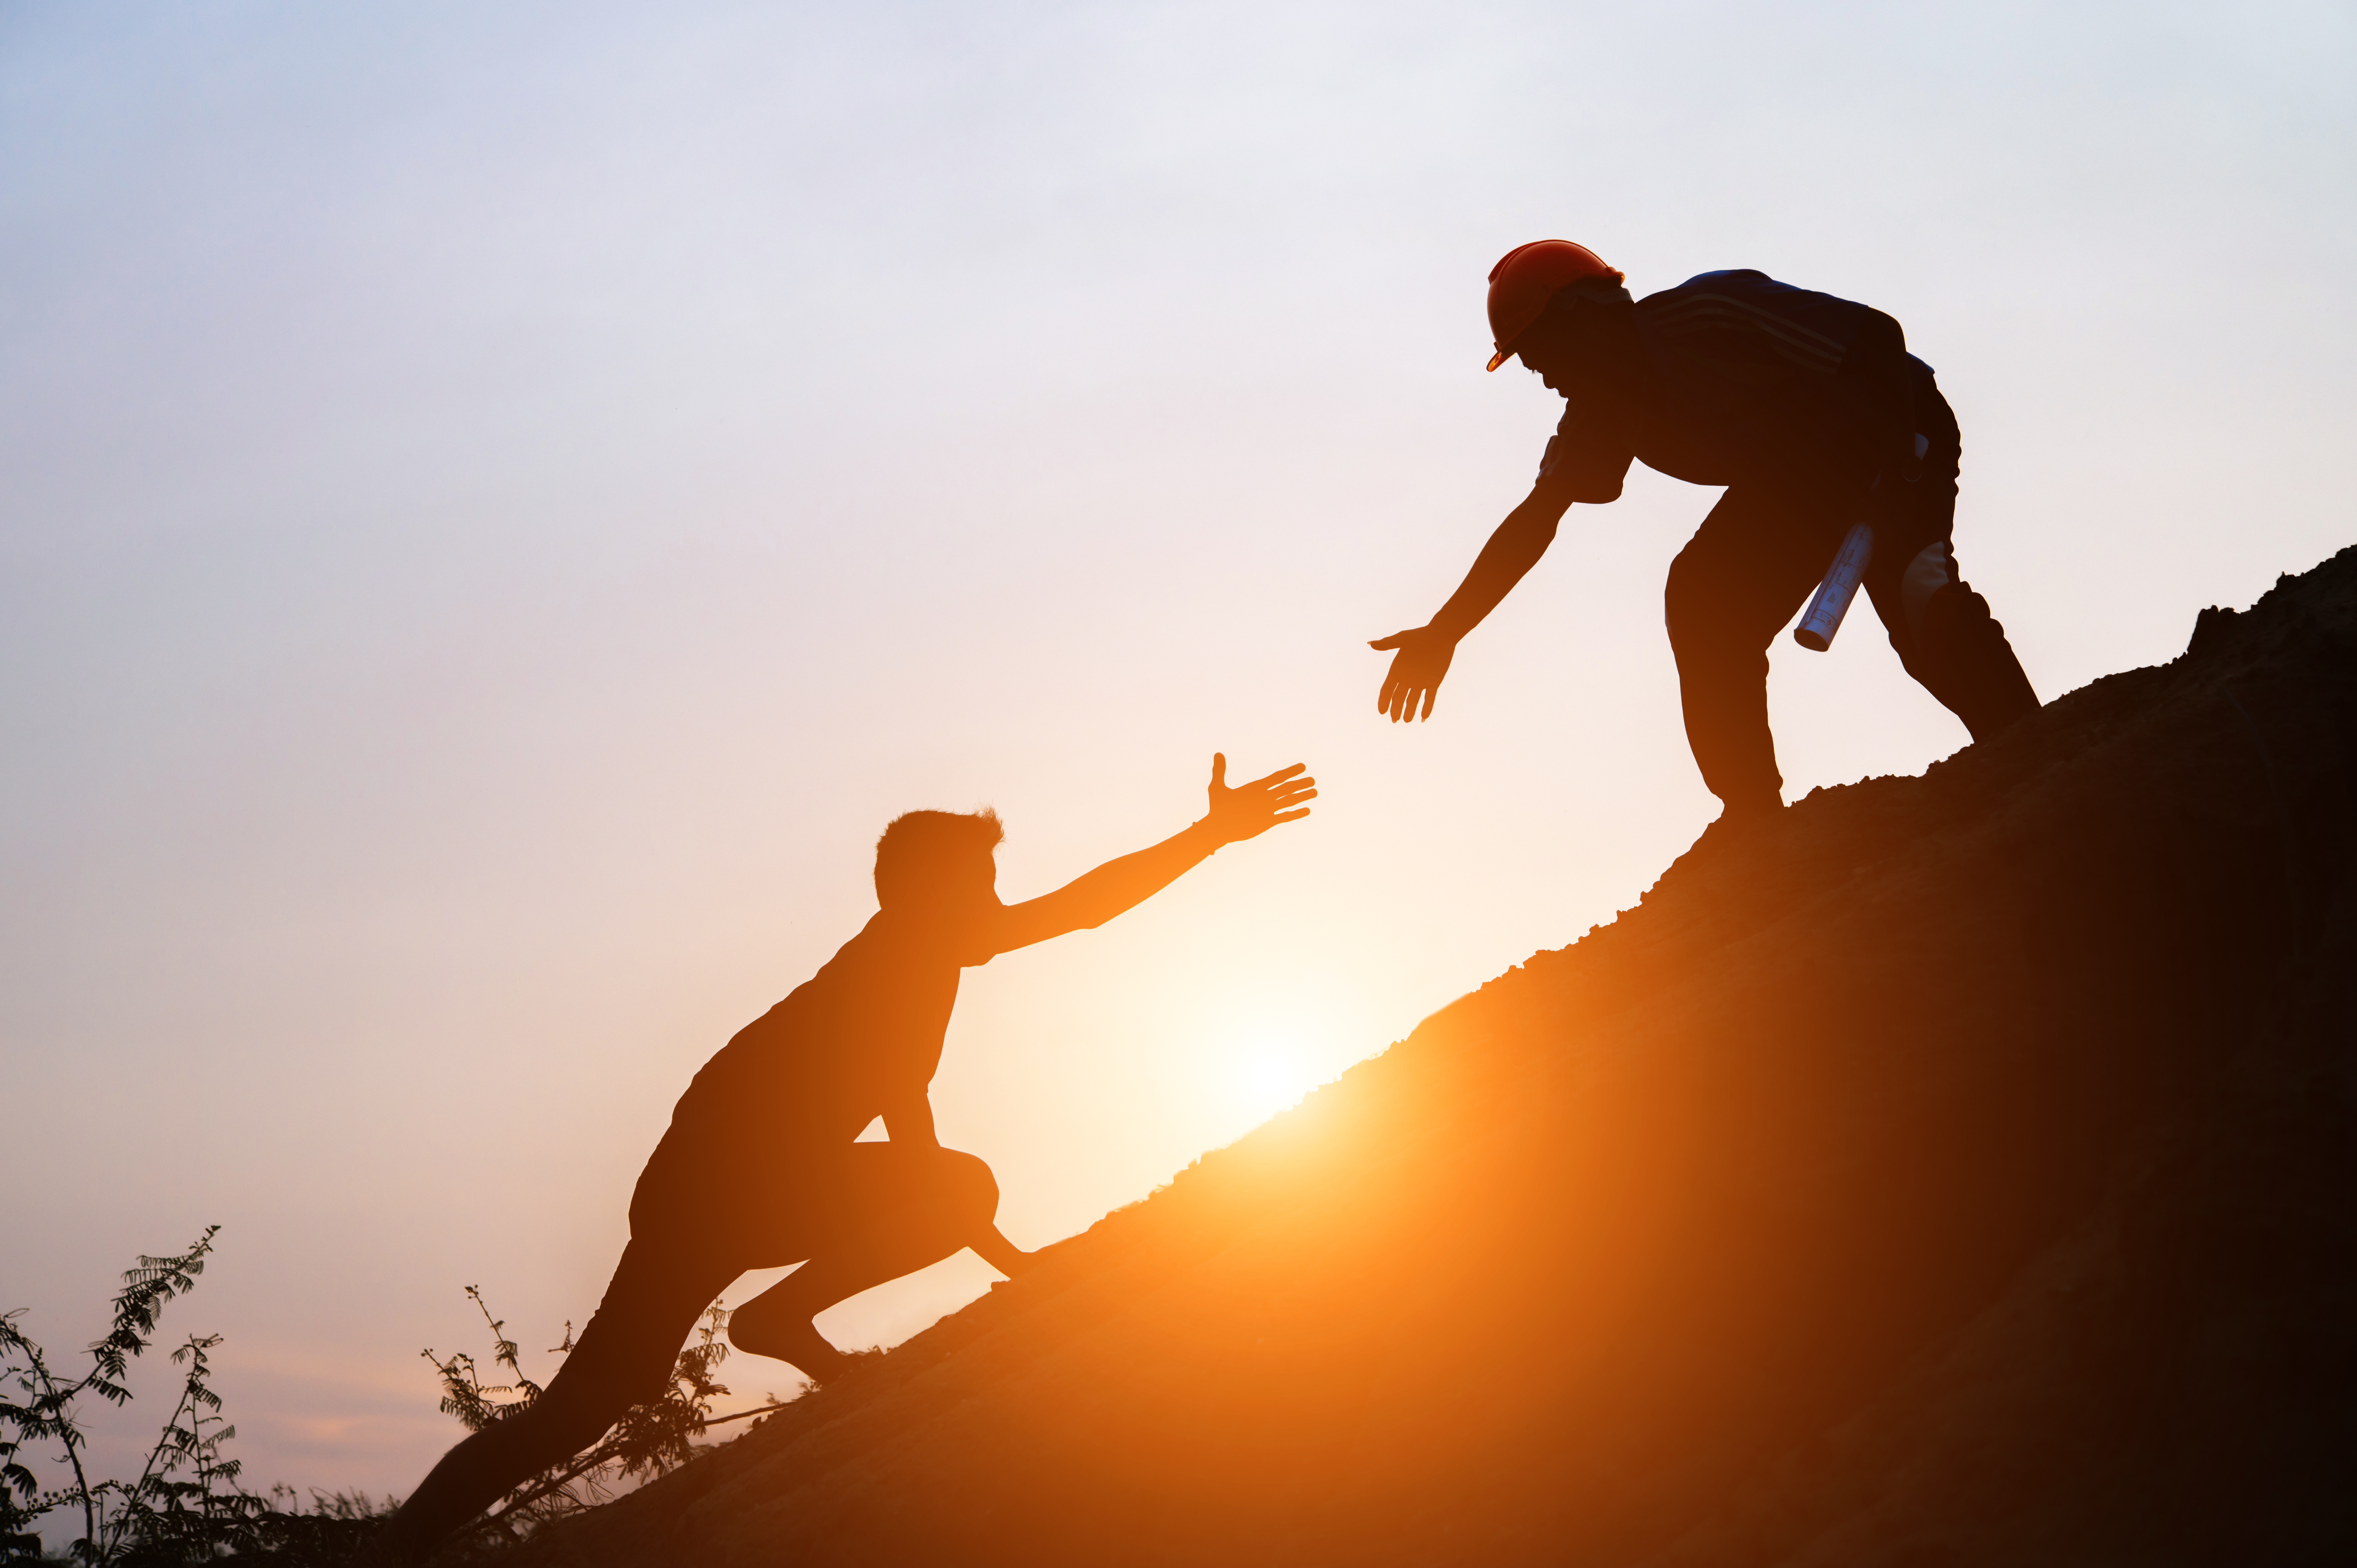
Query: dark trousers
x: 871, y: 1212
x: 1759, y: 555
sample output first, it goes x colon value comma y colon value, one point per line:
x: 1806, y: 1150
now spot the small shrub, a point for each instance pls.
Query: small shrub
x: 186, y: 1507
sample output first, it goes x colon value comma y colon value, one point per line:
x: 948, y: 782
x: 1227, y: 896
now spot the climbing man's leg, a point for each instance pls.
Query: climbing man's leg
x: 1731, y: 589
x: 888, y: 1209
x: 1950, y: 642
x: 1943, y: 631
x: 622, y: 1359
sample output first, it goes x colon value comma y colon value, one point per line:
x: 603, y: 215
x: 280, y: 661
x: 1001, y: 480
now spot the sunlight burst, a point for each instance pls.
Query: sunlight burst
x: 1269, y: 1075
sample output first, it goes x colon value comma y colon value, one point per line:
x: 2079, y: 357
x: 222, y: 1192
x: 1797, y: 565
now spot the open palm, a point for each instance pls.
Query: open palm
x: 1248, y: 810
x: 1420, y: 658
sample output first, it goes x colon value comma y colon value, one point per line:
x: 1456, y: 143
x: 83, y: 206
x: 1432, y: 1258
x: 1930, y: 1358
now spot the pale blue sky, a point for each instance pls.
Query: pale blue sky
x: 501, y: 502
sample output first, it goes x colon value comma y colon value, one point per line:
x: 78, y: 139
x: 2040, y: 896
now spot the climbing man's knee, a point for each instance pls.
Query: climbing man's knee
x: 1681, y: 597
x: 967, y: 1187
x: 1712, y: 627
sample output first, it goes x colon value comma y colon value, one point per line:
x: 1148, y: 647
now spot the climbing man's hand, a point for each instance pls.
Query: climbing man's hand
x: 1249, y: 810
x: 1416, y: 670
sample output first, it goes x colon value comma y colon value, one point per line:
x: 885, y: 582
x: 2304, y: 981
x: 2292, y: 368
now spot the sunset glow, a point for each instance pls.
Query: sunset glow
x: 506, y: 503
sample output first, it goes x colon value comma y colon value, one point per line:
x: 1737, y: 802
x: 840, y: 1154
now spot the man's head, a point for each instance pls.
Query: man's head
x: 1579, y: 340
x: 1527, y: 277
x: 938, y: 861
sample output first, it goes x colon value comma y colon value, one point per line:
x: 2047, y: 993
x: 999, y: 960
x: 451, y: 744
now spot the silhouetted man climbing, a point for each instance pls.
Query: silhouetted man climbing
x: 759, y: 1168
x: 1812, y: 413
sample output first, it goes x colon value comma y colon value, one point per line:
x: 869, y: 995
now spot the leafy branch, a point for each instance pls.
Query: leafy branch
x: 47, y: 1414
x: 185, y: 1505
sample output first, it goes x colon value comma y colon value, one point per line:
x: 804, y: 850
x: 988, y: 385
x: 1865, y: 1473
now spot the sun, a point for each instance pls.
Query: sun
x: 1268, y: 1074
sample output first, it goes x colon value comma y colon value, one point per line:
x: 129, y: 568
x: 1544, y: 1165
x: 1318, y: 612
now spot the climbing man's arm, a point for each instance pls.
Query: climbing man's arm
x: 1424, y: 653
x: 1247, y: 811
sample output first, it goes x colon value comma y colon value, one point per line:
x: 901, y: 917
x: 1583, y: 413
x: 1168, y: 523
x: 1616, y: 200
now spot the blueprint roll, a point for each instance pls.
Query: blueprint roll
x: 1816, y: 630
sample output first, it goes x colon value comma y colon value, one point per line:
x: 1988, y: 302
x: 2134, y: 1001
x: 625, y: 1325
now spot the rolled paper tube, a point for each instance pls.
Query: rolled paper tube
x: 1824, y: 619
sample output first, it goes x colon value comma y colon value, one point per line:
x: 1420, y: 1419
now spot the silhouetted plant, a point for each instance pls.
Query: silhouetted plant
x: 184, y: 1505
x: 185, y: 1502
x: 651, y: 1438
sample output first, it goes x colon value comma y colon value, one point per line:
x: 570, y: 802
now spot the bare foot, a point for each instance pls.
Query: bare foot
x: 795, y: 1340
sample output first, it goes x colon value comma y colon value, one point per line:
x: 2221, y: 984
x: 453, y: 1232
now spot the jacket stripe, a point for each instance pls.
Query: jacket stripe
x: 1809, y: 350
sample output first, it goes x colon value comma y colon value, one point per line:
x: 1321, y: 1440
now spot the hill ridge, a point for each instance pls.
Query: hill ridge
x: 1958, y: 1171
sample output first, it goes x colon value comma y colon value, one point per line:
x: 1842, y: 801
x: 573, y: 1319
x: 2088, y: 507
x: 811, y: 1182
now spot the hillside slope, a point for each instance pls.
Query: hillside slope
x: 1960, y: 1173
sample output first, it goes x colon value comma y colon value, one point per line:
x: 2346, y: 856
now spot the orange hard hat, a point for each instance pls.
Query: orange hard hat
x: 1526, y: 277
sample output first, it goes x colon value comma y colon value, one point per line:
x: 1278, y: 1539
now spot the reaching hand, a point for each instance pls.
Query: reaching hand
x: 1416, y: 670
x: 1249, y: 810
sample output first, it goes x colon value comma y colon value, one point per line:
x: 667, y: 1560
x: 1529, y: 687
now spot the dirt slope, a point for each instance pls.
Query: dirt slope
x: 1962, y: 1173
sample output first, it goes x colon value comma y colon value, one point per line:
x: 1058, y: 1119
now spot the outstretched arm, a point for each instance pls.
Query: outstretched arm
x: 1424, y: 653
x: 1245, y: 811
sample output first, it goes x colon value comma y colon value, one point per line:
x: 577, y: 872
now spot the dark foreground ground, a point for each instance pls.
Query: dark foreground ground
x: 1964, y: 1173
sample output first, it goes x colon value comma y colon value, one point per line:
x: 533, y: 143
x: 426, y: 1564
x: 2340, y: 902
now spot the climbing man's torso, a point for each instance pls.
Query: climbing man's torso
x: 863, y: 1034
x: 1732, y: 377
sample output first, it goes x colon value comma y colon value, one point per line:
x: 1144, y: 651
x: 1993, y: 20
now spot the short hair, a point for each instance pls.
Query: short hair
x: 916, y: 846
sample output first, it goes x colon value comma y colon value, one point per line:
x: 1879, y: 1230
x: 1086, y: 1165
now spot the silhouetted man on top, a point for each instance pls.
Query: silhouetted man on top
x: 1812, y: 413
x: 759, y: 1168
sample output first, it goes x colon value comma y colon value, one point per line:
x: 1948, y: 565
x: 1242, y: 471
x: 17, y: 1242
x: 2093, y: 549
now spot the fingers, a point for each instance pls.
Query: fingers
x: 1290, y: 806
x: 1286, y: 788
x: 1278, y: 796
x: 1413, y: 677
x: 1253, y: 808
x: 1399, y: 700
x: 1218, y: 771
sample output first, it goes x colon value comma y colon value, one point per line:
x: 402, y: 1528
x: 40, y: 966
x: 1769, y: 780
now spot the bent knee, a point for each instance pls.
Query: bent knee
x: 967, y: 1184
x: 1681, y: 594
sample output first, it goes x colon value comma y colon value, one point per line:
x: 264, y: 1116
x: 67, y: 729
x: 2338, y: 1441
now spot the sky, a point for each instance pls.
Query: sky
x: 502, y: 501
